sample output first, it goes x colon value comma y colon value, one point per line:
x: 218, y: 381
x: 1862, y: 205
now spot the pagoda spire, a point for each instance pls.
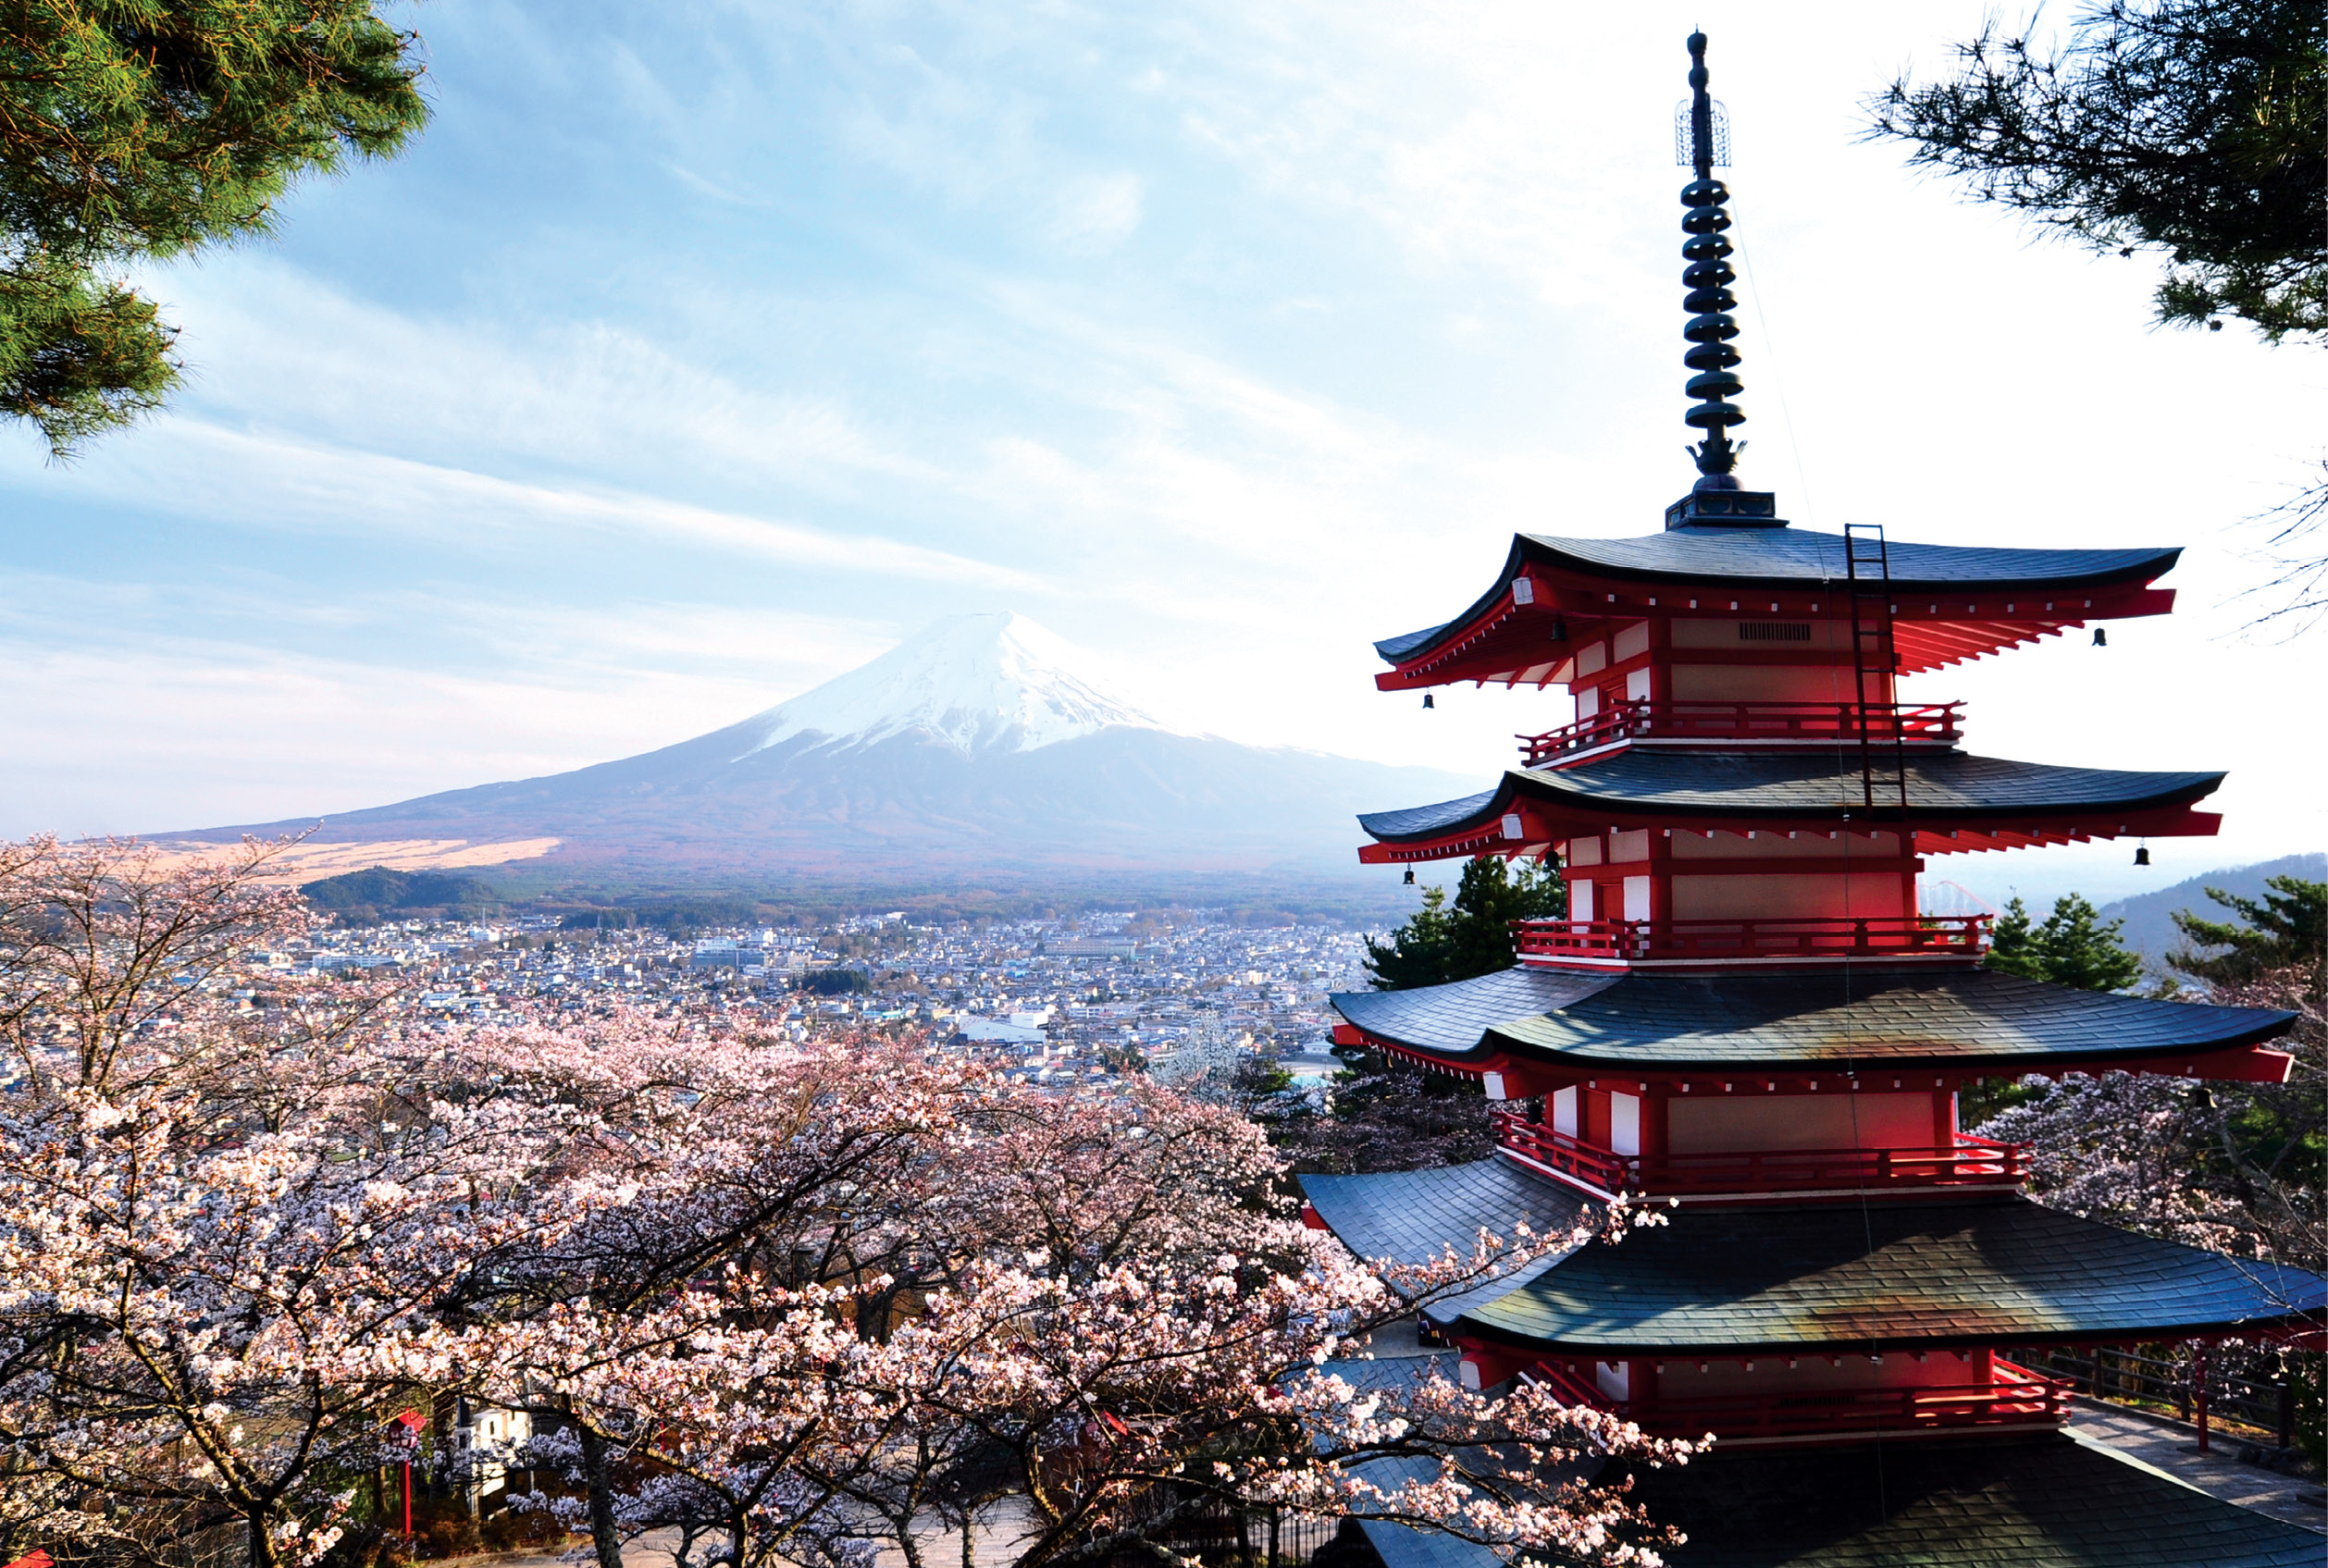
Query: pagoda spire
x: 1711, y: 328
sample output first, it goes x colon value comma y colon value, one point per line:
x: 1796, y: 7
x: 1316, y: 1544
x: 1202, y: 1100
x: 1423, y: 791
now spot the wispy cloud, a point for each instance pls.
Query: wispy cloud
x: 701, y: 349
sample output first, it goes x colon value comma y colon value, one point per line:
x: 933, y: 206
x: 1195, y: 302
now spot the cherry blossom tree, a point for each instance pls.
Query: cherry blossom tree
x: 801, y: 1302
x: 1090, y: 1311
x: 225, y: 1223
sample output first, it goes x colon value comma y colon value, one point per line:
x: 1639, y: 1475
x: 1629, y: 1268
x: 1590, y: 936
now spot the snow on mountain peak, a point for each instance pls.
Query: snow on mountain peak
x: 980, y: 681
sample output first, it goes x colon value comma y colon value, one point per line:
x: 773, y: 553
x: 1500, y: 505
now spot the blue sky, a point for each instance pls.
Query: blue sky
x: 699, y: 351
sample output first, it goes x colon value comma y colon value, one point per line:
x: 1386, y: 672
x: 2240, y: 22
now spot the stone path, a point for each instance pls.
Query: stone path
x: 2165, y: 1443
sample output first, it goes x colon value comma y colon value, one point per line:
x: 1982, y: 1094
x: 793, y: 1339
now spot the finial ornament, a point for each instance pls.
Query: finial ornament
x: 1709, y: 300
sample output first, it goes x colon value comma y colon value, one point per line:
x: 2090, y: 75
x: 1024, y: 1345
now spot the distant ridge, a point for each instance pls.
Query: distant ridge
x: 971, y: 752
x: 2149, y: 917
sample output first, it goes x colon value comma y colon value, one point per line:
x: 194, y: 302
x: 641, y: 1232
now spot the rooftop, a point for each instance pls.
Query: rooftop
x: 1953, y: 602
x: 2051, y: 1502
x: 1836, y: 1017
x: 1863, y: 1279
x: 1655, y: 787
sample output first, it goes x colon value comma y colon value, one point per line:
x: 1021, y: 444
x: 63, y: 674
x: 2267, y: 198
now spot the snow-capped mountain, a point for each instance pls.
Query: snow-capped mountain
x: 971, y: 752
x: 981, y: 683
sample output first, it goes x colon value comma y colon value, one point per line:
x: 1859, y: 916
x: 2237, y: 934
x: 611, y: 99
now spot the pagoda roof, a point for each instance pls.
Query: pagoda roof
x: 1413, y: 1216
x: 1791, y: 560
x: 1666, y: 1021
x: 1653, y: 786
x: 1867, y: 1278
x: 2055, y: 1501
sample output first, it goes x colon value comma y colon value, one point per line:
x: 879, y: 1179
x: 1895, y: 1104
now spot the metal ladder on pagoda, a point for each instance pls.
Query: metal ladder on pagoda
x: 1883, y: 770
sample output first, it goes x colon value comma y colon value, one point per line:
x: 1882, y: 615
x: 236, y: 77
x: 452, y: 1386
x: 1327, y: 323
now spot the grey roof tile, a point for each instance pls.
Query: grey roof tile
x: 1800, y: 555
x: 1860, y: 1276
x: 2047, y: 1501
x: 1790, y: 557
x: 1806, y: 785
x: 1846, y: 1013
x: 1454, y: 1019
x: 1412, y: 1217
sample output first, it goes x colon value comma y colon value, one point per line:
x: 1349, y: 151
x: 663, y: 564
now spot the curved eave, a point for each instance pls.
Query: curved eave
x: 1413, y: 1216
x: 1506, y: 635
x: 1971, y: 569
x: 1531, y: 808
x: 1537, y: 1027
x: 1741, y: 1282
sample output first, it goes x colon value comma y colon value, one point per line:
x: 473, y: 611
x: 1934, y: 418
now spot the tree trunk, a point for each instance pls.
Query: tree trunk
x: 604, y: 1539
x: 969, y: 1553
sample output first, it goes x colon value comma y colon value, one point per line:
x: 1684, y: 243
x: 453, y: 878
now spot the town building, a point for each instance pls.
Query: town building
x: 1749, y: 1019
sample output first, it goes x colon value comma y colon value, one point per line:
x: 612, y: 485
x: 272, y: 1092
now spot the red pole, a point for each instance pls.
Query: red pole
x: 412, y: 1423
x: 2199, y: 1391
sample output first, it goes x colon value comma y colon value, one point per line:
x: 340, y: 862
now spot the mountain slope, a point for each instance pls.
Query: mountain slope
x: 2149, y: 917
x: 971, y: 751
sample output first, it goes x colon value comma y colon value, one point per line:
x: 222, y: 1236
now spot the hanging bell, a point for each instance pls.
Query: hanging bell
x: 1428, y: 701
x: 2142, y: 855
x: 2102, y: 637
x: 1410, y: 876
x: 1560, y: 628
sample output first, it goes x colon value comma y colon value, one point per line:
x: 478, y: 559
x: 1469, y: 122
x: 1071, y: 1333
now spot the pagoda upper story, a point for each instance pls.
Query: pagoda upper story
x: 1742, y: 780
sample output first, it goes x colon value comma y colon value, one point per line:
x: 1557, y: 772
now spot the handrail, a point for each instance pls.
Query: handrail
x: 1804, y: 936
x: 1970, y: 1160
x: 2014, y: 1397
x: 1693, y: 720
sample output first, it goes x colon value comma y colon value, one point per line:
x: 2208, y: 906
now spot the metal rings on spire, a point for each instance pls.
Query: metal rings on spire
x: 1712, y: 330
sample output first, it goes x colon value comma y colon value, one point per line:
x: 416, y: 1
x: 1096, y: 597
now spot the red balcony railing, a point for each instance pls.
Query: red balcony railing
x: 1744, y: 721
x: 1812, y: 936
x: 2014, y: 1396
x: 1969, y: 1162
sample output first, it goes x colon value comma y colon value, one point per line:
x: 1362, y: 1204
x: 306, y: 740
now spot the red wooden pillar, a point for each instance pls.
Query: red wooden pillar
x: 2199, y: 1391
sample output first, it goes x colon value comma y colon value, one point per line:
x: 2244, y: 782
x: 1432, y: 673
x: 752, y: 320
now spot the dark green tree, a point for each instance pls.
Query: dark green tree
x: 135, y: 130
x: 1473, y: 936
x: 2072, y: 946
x: 2188, y: 127
x: 2286, y: 929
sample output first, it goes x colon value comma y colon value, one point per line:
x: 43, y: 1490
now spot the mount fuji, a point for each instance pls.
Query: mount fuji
x: 969, y: 754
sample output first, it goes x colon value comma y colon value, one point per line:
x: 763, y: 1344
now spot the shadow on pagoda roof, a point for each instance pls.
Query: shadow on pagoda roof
x: 2051, y: 1501
x: 1853, y: 1279
x: 1825, y: 1279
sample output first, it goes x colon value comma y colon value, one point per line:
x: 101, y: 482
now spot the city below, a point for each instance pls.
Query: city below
x: 1052, y: 999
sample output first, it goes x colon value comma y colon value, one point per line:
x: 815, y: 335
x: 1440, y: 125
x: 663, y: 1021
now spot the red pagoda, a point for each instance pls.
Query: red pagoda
x: 1748, y: 1014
